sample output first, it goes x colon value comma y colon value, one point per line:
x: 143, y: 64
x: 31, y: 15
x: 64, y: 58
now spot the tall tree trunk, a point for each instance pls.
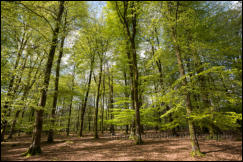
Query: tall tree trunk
x: 97, y: 103
x: 126, y: 95
x: 54, y: 104
x: 26, y: 90
x: 71, y: 102
x: 77, y: 123
x: 110, y: 77
x: 194, y: 141
x: 35, y: 147
x: 86, y: 98
x: 10, y: 94
x: 17, y: 113
x: 134, y: 88
x: 103, y: 105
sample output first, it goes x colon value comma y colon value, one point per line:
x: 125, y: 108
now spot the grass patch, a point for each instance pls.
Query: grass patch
x: 69, y: 142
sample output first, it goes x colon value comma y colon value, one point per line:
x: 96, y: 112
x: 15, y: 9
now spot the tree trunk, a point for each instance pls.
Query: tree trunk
x: 35, y: 147
x: 10, y: 93
x: 85, y: 100
x: 103, y: 105
x: 112, y: 129
x: 54, y: 104
x: 70, y: 107
x: 131, y: 35
x: 77, y: 123
x: 126, y: 94
x: 97, y: 103
x: 194, y: 141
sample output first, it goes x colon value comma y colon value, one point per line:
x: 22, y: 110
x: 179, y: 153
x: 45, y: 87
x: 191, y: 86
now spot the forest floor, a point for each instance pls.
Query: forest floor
x: 86, y: 148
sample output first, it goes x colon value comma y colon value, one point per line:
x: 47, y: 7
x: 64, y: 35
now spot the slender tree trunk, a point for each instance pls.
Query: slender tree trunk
x: 77, y: 123
x: 22, y: 117
x: 71, y: 102
x: 131, y: 33
x: 10, y: 94
x: 89, y: 119
x: 86, y: 98
x: 126, y: 95
x: 194, y: 141
x: 97, y: 103
x: 54, y: 104
x: 110, y: 77
x: 26, y: 90
x: 35, y: 147
x: 103, y: 105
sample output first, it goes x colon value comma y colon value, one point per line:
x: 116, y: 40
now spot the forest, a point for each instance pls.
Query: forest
x: 121, y: 80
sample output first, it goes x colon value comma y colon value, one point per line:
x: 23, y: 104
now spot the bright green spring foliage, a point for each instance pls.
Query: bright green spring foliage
x: 209, y: 37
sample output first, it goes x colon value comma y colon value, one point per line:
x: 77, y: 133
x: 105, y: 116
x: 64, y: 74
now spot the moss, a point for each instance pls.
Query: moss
x: 132, y: 137
x: 32, y: 151
x: 28, y: 155
x: 197, y: 154
x: 69, y: 141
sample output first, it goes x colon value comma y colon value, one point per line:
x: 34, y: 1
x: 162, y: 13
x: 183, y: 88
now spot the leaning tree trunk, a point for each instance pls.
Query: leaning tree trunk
x: 194, y: 141
x: 35, y: 147
x: 22, y: 98
x: 27, y: 88
x: 10, y: 94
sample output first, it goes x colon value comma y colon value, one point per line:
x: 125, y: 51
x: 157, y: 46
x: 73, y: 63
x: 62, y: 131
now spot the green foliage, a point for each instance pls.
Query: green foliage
x: 122, y: 117
x: 208, y: 36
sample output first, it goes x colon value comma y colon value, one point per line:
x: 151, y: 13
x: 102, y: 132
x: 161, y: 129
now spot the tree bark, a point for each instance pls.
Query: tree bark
x: 54, y: 104
x: 35, y: 147
x: 103, y: 105
x: 194, y: 141
x: 97, y: 102
x: 126, y: 95
x: 71, y: 102
x: 86, y: 98
x: 112, y: 129
x: 130, y: 30
x: 10, y: 94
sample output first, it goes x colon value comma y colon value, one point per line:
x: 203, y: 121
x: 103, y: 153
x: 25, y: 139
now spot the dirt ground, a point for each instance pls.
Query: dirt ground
x: 75, y: 148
